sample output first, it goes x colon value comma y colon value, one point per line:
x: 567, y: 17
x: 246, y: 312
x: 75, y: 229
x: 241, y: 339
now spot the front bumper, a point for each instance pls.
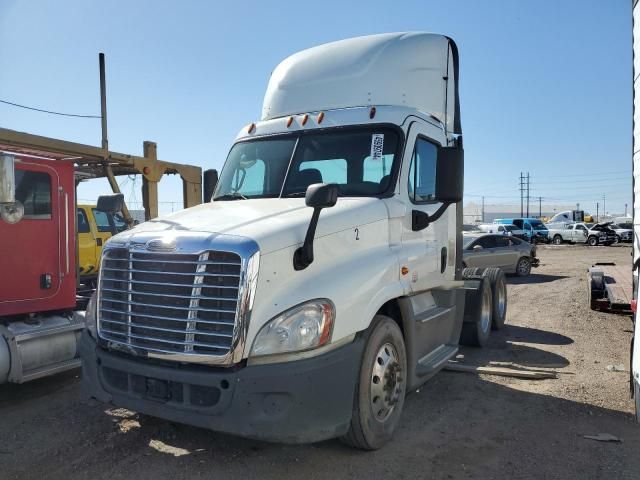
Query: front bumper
x: 301, y: 401
x: 541, y: 238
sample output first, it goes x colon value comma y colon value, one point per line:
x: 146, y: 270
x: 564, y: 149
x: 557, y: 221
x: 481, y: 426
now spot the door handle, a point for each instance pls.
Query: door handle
x: 99, y: 242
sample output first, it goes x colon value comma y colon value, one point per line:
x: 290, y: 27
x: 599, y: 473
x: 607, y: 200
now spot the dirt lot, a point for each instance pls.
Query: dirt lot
x: 458, y: 425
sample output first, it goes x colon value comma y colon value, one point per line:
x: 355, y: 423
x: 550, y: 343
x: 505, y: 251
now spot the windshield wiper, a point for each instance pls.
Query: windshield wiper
x: 231, y: 196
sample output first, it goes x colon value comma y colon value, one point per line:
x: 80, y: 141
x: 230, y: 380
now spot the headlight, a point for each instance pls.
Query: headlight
x: 304, y: 327
x: 91, y: 317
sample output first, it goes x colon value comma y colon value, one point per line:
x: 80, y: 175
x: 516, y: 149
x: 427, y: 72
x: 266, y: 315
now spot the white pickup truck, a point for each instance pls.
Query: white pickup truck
x: 324, y: 280
x: 572, y: 233
x: 589, y: 233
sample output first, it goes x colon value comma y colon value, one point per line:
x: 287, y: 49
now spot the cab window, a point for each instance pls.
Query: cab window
x: 422, y: 172
x: 83, y: 223
x: 102, y: 220
x: 331, y: 171
x: 33, y: 190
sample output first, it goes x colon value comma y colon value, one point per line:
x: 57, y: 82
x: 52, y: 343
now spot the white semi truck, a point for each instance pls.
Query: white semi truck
x: 635, y: 345
x: 324, y: 280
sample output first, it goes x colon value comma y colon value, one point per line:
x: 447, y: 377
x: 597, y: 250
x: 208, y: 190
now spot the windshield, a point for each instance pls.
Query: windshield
x: 537, y: 225
x: 470, y: 228
x: 510, y: 228
x: 359, y: 161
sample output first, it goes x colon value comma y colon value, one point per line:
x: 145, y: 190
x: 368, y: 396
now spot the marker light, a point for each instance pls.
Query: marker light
x: 404, y: 270
x: 372, y: 112
x: 251, y: 128
x: 320, y: 117
x: 289, y: 121
x: 304, y: 119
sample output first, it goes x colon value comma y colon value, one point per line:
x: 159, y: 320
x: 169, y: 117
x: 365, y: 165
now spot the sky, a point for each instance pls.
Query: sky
x: 545, y: 85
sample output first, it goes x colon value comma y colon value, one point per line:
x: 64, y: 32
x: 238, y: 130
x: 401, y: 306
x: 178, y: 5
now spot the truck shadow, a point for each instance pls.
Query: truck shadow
x: 534, y: 278
x: 12, y: 394
x: 513, y: 353
x: 454, y: 424
x: 532, y: 335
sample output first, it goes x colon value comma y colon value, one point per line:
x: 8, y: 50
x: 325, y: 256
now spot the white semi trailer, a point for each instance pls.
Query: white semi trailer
x: 635, y: 346
x: 324, y: 279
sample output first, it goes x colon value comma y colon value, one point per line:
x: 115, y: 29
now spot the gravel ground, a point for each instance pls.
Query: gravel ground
x: 458, y: 425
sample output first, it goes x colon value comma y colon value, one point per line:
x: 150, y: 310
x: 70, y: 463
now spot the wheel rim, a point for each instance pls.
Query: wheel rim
x: 386, y: 382
x: 523, y: 267
x: 502, y: 299
x: 485, y: 311
x: 557, y: 240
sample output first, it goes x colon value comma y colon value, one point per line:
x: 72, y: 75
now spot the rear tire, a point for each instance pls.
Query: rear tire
x: 498, y: 283
x: 523, y: 267
x: 557, y: 240
x: 477, y: 315
x: 381, y: 388
x: 472, y: 272
x: 595, y: 291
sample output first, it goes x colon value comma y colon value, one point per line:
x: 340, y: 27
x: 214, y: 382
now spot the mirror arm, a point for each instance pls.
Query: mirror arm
x: 438, y: 213
x: 428, y: 219
x: 303, y: 256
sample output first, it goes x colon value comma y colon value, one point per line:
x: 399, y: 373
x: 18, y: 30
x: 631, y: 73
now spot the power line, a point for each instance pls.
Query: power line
x: 48, y: 111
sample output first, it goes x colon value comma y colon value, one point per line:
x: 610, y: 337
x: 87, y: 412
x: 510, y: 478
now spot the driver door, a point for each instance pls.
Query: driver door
x: 426, y: 253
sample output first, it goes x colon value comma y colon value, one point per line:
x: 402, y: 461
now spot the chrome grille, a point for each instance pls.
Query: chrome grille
x: 169, y: 303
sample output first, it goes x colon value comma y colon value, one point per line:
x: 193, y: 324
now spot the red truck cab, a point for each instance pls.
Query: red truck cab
x: 38, y: 266
x: 38, y: 327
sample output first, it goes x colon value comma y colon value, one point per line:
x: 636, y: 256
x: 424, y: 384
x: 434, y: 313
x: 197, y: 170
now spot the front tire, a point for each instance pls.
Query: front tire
x: 557, y: 240
x: 523, y: 267
x: 381, y: 388
x: 592, y: 241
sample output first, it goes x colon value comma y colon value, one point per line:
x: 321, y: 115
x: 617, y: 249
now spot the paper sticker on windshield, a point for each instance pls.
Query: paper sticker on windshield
x: 377, y: 145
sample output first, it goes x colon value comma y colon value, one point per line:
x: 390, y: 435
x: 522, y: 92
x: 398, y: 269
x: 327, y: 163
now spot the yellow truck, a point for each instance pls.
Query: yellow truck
x: 94, y: 229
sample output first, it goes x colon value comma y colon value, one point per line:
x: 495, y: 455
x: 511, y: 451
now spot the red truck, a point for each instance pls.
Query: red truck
x: 38, y: 325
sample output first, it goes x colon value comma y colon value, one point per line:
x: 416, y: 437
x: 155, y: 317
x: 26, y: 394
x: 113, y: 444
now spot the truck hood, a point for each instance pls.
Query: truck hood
x: 274, y: 223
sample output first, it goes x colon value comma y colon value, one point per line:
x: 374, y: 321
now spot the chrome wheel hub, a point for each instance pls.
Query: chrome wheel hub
x: 502, y: 299
x: 387, y: 379
x: 485, y: 311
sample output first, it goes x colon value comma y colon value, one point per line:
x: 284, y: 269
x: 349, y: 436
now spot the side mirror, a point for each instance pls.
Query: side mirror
x: 321, y: 195
x: 110, y: 203
x: 209, y: 181
x: 7, y: 179
x: 318, y: 196
x: 477, y: 247
x: 449, y: 175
